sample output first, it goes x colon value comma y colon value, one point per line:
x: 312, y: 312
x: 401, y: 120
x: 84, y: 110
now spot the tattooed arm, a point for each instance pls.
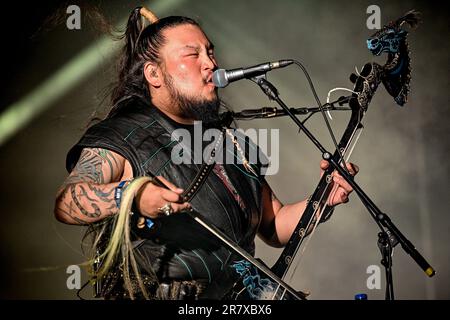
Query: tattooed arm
x: 87, y: 195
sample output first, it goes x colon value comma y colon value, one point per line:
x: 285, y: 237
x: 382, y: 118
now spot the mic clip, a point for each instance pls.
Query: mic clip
x: 268, y: 88
x: 265, y: 112
x: 268, y: 112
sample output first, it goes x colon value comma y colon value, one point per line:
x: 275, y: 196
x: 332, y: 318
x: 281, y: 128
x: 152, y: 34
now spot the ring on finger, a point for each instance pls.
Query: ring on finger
x: 166, y: 209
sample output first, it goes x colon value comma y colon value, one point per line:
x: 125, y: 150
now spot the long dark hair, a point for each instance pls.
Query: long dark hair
x: 142, y: 44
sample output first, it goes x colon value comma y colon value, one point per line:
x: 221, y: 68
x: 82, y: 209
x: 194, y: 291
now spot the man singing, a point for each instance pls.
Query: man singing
x: 165, y: 84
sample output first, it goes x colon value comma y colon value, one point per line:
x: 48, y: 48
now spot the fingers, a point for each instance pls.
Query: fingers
x: 172, y: 197
x: 170, y: 185
x: 169, y: 195
x: 338, y: 195
x: 339, y: 180
x: 155, y: 201
x: 352, y: 168
x: 324, y: 164
x: 173, y: 188
x: 175, y: 208
x: 180, y: 207
x: 341, y: 188
x: 332, y: 195
x: 344, y: 196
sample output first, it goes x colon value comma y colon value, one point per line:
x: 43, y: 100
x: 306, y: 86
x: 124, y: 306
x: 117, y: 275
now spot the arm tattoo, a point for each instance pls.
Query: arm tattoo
x: 106, y: 155
x: 104, y: 199
x: 88, y: 168
x: 71, y: 214
x: 75, y: 199
x: 93, y: 165
x: 96, y: 167
x: 101, y: 194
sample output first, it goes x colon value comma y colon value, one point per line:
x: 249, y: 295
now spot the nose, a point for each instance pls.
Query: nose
x: 209, y: 62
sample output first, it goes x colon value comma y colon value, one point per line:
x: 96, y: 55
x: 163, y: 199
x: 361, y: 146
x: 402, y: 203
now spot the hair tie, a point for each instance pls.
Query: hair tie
x: 150, y: 16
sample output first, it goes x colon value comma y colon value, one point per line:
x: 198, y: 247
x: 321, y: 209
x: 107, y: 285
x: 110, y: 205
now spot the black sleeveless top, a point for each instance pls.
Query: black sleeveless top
x: 182, y: 249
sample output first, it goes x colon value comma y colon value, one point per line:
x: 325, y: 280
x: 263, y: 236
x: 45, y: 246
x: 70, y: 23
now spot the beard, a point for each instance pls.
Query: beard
x: 191, y: 107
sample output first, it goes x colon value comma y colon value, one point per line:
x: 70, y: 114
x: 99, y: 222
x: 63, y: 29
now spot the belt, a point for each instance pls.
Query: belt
x: 114, y: 288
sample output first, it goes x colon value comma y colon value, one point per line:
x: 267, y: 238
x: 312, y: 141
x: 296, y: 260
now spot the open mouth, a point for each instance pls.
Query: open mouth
x: 208, y: 81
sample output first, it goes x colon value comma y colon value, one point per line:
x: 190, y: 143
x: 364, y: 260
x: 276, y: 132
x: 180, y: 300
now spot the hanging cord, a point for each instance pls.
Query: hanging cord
x: 317, y: 220
x: 323, y: 113
x: 246, y: 163
x: 328, y: 98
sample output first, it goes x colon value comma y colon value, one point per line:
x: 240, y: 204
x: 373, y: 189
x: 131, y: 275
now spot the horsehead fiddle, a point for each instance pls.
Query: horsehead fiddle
x: 395, y: 75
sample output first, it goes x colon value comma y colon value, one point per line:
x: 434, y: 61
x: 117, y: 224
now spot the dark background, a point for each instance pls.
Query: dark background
x: 402, y: 153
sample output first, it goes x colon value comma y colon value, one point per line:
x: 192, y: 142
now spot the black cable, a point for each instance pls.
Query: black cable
x: 81, y: 289
x: 323, y: 113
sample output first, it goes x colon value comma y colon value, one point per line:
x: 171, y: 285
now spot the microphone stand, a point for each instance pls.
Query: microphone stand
x: 386, y: 245
x: 387, y: 238
x: 272, y: 112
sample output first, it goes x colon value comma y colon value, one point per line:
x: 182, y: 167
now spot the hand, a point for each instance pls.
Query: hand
x: 341, y: 189
x: 151, y: 197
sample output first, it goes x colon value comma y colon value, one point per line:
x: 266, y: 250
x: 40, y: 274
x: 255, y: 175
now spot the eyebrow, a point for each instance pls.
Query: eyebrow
x: 209, y: 47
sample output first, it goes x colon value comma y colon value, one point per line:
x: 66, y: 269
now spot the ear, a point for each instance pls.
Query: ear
x: 152, y: 75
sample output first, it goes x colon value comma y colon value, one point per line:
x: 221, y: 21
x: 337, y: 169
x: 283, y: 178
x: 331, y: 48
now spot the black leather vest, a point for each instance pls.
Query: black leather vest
x: 182, y: 249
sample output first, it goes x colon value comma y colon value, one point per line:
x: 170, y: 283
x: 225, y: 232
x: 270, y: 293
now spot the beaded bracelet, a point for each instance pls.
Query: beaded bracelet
x: 119, y: 190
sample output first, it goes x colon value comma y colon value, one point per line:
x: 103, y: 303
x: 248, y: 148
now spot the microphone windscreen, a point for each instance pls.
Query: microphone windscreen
x: 219, y: 78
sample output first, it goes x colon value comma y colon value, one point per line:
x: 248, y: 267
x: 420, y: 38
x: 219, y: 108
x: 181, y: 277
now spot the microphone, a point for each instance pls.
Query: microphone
x: 221, y: 77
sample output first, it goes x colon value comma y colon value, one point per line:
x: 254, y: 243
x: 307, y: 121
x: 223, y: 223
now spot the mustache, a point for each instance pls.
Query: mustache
x: 208, y: 79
